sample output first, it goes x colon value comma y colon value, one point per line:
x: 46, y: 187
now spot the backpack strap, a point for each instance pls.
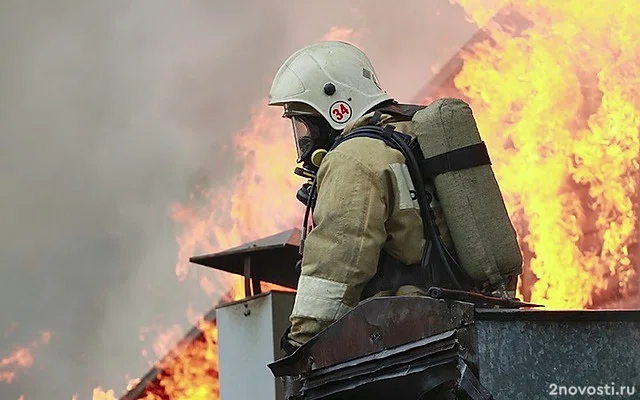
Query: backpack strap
x: 470, y: 156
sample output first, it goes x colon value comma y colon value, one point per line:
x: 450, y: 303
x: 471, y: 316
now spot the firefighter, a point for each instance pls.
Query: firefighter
x: 365, y: 209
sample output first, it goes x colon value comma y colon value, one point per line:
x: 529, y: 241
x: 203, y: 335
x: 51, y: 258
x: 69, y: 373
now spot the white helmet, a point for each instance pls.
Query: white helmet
x: 336, y: 79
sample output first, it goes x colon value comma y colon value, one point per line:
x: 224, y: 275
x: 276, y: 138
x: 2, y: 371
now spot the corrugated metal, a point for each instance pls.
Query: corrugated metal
x: 522, y: 353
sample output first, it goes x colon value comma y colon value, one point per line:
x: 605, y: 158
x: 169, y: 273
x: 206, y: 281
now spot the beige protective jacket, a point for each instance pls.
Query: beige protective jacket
x: 364, y: 205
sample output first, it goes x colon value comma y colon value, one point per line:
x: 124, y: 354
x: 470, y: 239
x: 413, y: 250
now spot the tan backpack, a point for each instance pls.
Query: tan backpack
x: 483, y: 237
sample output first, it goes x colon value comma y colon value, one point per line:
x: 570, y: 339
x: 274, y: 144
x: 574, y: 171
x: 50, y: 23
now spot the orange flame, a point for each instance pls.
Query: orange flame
x: 260, y: 202
x: 557, y: 104
x: 99, y: 394
x: 21, y: 358
x: 556, y: 98
x: 191, y: 370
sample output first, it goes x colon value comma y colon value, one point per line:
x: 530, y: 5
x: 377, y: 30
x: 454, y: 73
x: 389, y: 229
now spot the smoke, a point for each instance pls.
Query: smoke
x: 112, y: 111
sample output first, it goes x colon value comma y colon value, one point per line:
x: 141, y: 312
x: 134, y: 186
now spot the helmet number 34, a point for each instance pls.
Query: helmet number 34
x: 340, y: 112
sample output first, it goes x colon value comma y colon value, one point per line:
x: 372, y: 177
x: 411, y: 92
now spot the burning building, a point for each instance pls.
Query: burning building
x: 554, y: 91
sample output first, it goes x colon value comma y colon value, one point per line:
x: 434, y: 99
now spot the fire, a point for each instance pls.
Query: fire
x: 555, y: 96
x: 556, y: 102
x: 20, y: 358
x: 191, y: 370
x: 260, y: 202
x: 98, y: 394
x: 245, y: 211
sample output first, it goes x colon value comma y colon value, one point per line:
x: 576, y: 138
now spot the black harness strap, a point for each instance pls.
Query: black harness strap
x: 372, y: 131
x: 471, y: 156
x: 375, y: 118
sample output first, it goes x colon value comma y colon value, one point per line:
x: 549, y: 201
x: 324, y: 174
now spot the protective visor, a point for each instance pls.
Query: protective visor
x: 302, y: 137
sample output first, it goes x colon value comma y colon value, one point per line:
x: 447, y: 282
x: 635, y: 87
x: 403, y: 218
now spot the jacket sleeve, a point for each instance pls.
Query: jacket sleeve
x: 341, y: 253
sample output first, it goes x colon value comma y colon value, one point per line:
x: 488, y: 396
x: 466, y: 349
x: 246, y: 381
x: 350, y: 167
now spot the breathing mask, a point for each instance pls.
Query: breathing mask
x: 313, y: 136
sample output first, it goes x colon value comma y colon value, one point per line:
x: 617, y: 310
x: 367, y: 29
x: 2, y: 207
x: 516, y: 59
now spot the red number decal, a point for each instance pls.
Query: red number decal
x: 340, y: 111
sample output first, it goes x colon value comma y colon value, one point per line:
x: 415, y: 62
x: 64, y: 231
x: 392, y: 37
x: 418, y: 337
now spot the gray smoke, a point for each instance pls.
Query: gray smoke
x: 110, y: 111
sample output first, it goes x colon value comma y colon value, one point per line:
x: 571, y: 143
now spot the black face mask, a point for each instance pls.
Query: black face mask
x: 313, y: 137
